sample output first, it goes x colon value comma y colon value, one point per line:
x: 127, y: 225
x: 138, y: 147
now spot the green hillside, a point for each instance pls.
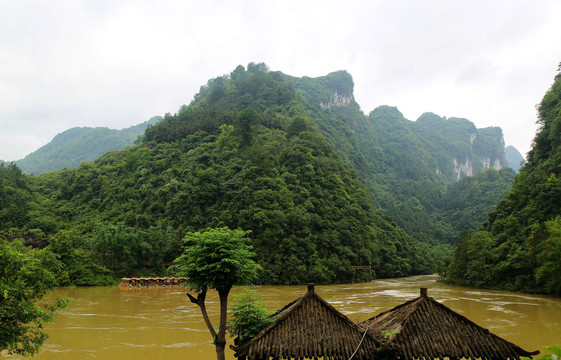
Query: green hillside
x: 466, y: 204
x: 77, y: 145
x: 514, y: 158
x: 322, y: 187
x: 407, y: 165
x: 519, y: 246
x: 245, y: 153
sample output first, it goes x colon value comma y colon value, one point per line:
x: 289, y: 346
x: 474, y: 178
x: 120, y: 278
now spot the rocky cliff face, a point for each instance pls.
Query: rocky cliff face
x: 407, y: 165
x: 337, y: 100
x: 487, y: 153
x: 453, y: 148
x: 462, y: 170
x: 466, y: 168
x: 460, y: 148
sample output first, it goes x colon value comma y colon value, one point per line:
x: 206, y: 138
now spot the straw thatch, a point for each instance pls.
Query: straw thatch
x: 310, y: 328
x: 423, y: 328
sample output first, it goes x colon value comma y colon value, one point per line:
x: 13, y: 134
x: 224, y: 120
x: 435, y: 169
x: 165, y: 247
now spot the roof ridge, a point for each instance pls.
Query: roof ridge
x: 417, y: 302
x: 408, y: 302
x: 470, y: 322
x: 338, y: 313
x: 288, y: 309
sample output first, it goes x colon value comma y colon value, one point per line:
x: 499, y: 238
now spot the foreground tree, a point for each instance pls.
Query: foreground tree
x: 248, y: 315
x: 218, y: 259
x: 25, y: 277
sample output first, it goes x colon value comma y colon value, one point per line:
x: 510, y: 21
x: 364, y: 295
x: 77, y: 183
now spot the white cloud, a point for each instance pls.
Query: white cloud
x: 116, y: 63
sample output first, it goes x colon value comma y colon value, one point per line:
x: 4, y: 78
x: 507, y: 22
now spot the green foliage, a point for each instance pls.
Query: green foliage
x: 78, y: 265
x: 519, y: 246
x: 472, y: 260
x: 249, y: 315
x: 14, y: 197
x: 555, y: 353
x: 24, y: 212
x: 126, y: 250
x: 441, y: 255
x: 217, y: 258
x: 25, y: 277
x: 467, y: 203
x: 321, y: 186
x: 548, y: 271
x: 320, y: 90
x: 77, y: 145
x: 387, y: 334
x: 406, y: 165
x: 245, y: 160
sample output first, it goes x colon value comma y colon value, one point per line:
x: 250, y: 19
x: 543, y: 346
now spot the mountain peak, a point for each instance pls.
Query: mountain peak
x: 332, y: 90
x: 513, y: 157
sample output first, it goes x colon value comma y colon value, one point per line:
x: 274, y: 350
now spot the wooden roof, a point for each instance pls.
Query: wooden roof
x: 311, y: 328
x: 424, y: 328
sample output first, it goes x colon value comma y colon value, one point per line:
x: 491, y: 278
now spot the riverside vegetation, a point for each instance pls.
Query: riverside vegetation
x: 321, y: 186
x: 519, y: 246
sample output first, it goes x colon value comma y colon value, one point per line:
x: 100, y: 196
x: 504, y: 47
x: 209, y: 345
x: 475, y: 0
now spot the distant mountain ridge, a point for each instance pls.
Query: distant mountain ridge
x: 514, y: 158
x: 324, y: 188
x: 80, y: 144
x: 459, y: 148
x: 407, y: 165
x: 457, y: 142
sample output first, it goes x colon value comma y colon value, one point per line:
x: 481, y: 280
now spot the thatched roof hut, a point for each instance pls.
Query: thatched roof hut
x: 423, y: 328
x: 311, y: 328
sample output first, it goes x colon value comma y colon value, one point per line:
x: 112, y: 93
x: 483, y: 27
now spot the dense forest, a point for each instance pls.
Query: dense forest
x: 519, y: 246
x: 322, y: 187
x: 406, y: 165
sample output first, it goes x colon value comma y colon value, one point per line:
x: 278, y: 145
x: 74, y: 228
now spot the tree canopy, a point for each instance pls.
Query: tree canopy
x: 25, y: 277
x: 324, y: 189
x: 218, y: 259
x: 519, y: 246
x: 81, y: 144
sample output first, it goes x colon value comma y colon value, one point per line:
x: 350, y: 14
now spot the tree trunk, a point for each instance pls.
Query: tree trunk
x: 220, y: 340
x: 220, y: 337
x: 200, y: 301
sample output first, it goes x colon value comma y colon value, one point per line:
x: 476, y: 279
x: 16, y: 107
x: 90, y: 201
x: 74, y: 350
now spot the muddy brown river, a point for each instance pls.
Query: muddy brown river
x: 113, y: 323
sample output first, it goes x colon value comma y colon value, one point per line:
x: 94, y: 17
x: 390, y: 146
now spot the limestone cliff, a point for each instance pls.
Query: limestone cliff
x: 452, y: 148
x: 337, y: 100
x: 460, y: 148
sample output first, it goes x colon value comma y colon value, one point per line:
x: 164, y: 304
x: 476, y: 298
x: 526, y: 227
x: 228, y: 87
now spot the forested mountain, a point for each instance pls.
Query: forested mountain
x: 81, y: 144
x: 407, y: 165
x: 519, y: 246
x: 466, y: 204
x: 245, y: 153
x: 513, y: 157
x: 323, y: 187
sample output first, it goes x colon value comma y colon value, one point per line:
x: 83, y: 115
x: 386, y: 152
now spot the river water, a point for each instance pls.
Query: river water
x: 159, y: 323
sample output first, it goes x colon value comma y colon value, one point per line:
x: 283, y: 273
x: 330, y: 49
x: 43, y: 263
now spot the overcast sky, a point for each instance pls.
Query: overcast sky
x: 117, y: 63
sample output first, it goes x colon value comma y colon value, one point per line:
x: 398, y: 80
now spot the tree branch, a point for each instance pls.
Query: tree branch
x: 200, y: 301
